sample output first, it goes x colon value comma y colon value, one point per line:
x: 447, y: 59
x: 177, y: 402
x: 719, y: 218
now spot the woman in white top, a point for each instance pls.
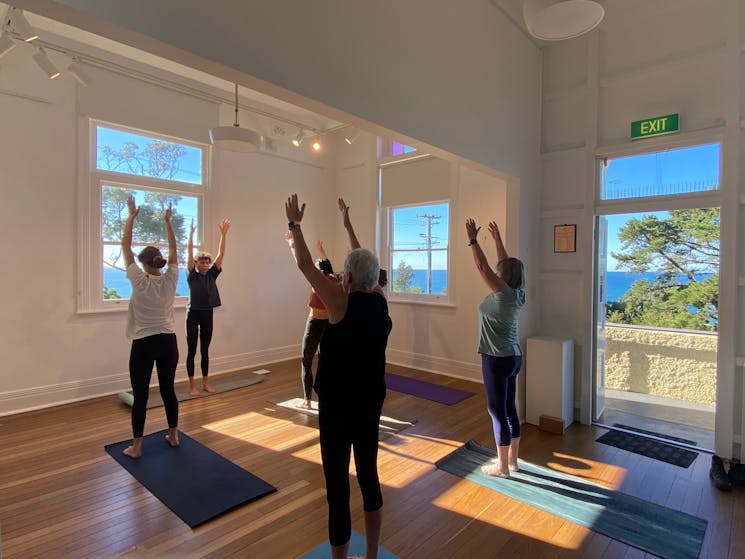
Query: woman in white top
x: 151, y: 327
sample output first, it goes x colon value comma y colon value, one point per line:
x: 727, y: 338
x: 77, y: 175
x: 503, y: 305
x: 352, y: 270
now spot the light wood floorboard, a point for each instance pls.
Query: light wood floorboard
x: 62, y: 496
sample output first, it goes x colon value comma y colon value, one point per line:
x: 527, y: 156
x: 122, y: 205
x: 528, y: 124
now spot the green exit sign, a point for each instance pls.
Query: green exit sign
x: 656, y: 126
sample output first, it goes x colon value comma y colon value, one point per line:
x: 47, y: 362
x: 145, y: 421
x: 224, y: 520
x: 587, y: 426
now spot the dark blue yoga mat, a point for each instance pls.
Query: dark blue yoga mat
x: 196, y: 483
x: 659, y: 530
x: 426, y: 390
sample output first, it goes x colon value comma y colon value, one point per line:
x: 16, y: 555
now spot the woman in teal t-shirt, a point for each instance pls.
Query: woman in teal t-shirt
x: 499, y: 346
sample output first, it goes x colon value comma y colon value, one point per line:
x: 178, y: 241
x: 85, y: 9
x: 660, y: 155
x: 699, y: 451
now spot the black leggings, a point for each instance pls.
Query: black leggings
x: 500, y: 385
x: 314, y: 330
x: 162, y: 350
x: 198, y: 325
x: 343, y: 428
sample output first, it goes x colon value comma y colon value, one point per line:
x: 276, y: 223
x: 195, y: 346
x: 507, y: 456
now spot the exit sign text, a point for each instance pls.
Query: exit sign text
x: 654, y: 126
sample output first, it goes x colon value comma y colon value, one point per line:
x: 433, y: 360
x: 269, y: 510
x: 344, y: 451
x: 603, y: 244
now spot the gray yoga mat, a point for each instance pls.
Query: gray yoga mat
x: 659, y: 530
x: 388, y: 425
x: 221, y: 383
x: 356, y: 547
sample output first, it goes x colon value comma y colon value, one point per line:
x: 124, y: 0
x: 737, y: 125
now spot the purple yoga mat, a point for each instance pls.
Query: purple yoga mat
x: 426, y: 390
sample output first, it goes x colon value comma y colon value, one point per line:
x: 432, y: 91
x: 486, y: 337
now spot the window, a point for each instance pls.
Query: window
x: 397, y: 148
x: 418, y: 240
x: 157, y: 172
x: 664, y: 173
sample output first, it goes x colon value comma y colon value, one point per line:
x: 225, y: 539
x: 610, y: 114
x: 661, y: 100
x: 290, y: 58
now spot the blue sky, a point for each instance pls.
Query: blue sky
x: 677, y: 171
x: 410, y: 230
x: 190, y: 164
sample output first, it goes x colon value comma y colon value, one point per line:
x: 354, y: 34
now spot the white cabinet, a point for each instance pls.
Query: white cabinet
x: 549, y: 382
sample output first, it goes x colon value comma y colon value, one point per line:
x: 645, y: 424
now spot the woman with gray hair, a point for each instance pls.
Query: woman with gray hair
x: 350, y: 383
x: 499, y: 346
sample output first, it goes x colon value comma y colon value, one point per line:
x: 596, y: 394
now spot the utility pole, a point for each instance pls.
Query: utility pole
x: 428, y: 242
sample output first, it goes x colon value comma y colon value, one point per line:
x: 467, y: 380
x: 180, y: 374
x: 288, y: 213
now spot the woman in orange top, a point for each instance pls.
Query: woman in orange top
x: 318, y: 319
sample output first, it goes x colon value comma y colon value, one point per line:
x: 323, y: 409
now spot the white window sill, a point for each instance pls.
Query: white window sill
x: 424, y: 302
x: 123, y: 305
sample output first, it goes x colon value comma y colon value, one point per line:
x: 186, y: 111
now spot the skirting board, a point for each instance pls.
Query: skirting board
x: 439, y: 365
x: 29, y: 399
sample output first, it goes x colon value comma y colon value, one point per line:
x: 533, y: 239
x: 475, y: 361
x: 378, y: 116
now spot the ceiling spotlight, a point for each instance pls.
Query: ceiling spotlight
x: 297, y: 140
x: 351, y: 137
x: 316, y: 145
x: 555, y: 20
x: 6, y: 44
x: 268, y: 144
x: 77, y: 71
x: 42, y: 60
x: 18, y: 24
x: 235, y: 138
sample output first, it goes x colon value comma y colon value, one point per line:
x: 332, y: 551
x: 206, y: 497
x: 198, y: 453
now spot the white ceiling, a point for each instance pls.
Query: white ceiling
x: 73, y: 41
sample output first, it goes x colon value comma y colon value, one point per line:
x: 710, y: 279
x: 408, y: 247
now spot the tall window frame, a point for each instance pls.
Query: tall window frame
x: 423, y: 284
x: 92, y: 239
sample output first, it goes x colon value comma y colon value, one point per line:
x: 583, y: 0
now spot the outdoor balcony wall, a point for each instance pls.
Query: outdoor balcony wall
x: 680, y: 364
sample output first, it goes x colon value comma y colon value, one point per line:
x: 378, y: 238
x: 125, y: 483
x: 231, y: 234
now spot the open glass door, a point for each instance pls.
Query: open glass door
x: 656, y: 294
x: 601, y: 290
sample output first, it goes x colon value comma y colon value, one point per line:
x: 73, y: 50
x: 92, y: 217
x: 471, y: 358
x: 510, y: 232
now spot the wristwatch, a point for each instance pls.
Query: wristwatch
x: 292, y: 224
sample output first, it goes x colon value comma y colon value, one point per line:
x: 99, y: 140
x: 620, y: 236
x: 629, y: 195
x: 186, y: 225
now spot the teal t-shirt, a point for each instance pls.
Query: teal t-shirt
x: 498, y: 314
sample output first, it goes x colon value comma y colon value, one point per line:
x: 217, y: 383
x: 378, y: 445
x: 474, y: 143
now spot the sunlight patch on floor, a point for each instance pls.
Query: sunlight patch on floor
x: 607, y: 475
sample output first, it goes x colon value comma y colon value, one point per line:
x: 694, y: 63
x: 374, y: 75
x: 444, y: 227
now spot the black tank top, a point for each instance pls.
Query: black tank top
x: 351, y: 360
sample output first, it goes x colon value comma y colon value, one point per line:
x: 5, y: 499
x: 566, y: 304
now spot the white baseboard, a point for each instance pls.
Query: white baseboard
x: 439, y: 365
x: 39, y: 397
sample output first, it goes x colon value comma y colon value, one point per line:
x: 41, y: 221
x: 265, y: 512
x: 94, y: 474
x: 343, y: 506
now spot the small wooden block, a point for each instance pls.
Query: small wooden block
x: 551, y: 424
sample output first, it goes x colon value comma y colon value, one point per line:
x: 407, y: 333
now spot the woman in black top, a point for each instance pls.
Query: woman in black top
x: 350, y: 383
x: 203, y: 298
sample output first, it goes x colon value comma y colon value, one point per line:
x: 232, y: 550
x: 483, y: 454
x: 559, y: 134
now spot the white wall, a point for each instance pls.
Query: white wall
x: 51, y: 354
x: 647, y: 58
x: 438, y: 338
x: 458, y: 78
x: 456, y: 75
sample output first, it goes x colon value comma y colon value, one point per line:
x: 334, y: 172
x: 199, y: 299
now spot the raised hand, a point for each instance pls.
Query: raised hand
x: 344, y: 209
x: 192, y: 228
x: 471, y: 230
x: 168, y: 214
x: 494, y: 230
x: 294, y: 210
x: 133, y: 209
x: 224, y: 226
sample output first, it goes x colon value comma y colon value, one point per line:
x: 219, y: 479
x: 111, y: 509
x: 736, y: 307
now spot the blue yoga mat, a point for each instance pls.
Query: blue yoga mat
x: 427, y: 390
x: 356, y: 547
x: 196, y: 483
x: 659, y: 530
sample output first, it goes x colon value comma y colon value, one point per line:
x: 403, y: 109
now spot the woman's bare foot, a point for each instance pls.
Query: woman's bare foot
x: 131, y: 452
x: 194, y: 391
x: 172, y: 440
x: 493, y: 470
x: 514, y: 467
x: 207, y: 387
x: 306, y: 405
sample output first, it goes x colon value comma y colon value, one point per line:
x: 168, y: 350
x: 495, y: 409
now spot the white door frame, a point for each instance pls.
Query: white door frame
x: 727, y: 199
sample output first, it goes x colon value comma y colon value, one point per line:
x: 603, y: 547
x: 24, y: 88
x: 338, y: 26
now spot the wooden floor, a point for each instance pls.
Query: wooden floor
x: 61, y: 495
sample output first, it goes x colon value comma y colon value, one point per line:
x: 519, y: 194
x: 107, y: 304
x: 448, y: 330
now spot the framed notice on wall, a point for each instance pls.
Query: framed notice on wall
x: 565, y: 238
